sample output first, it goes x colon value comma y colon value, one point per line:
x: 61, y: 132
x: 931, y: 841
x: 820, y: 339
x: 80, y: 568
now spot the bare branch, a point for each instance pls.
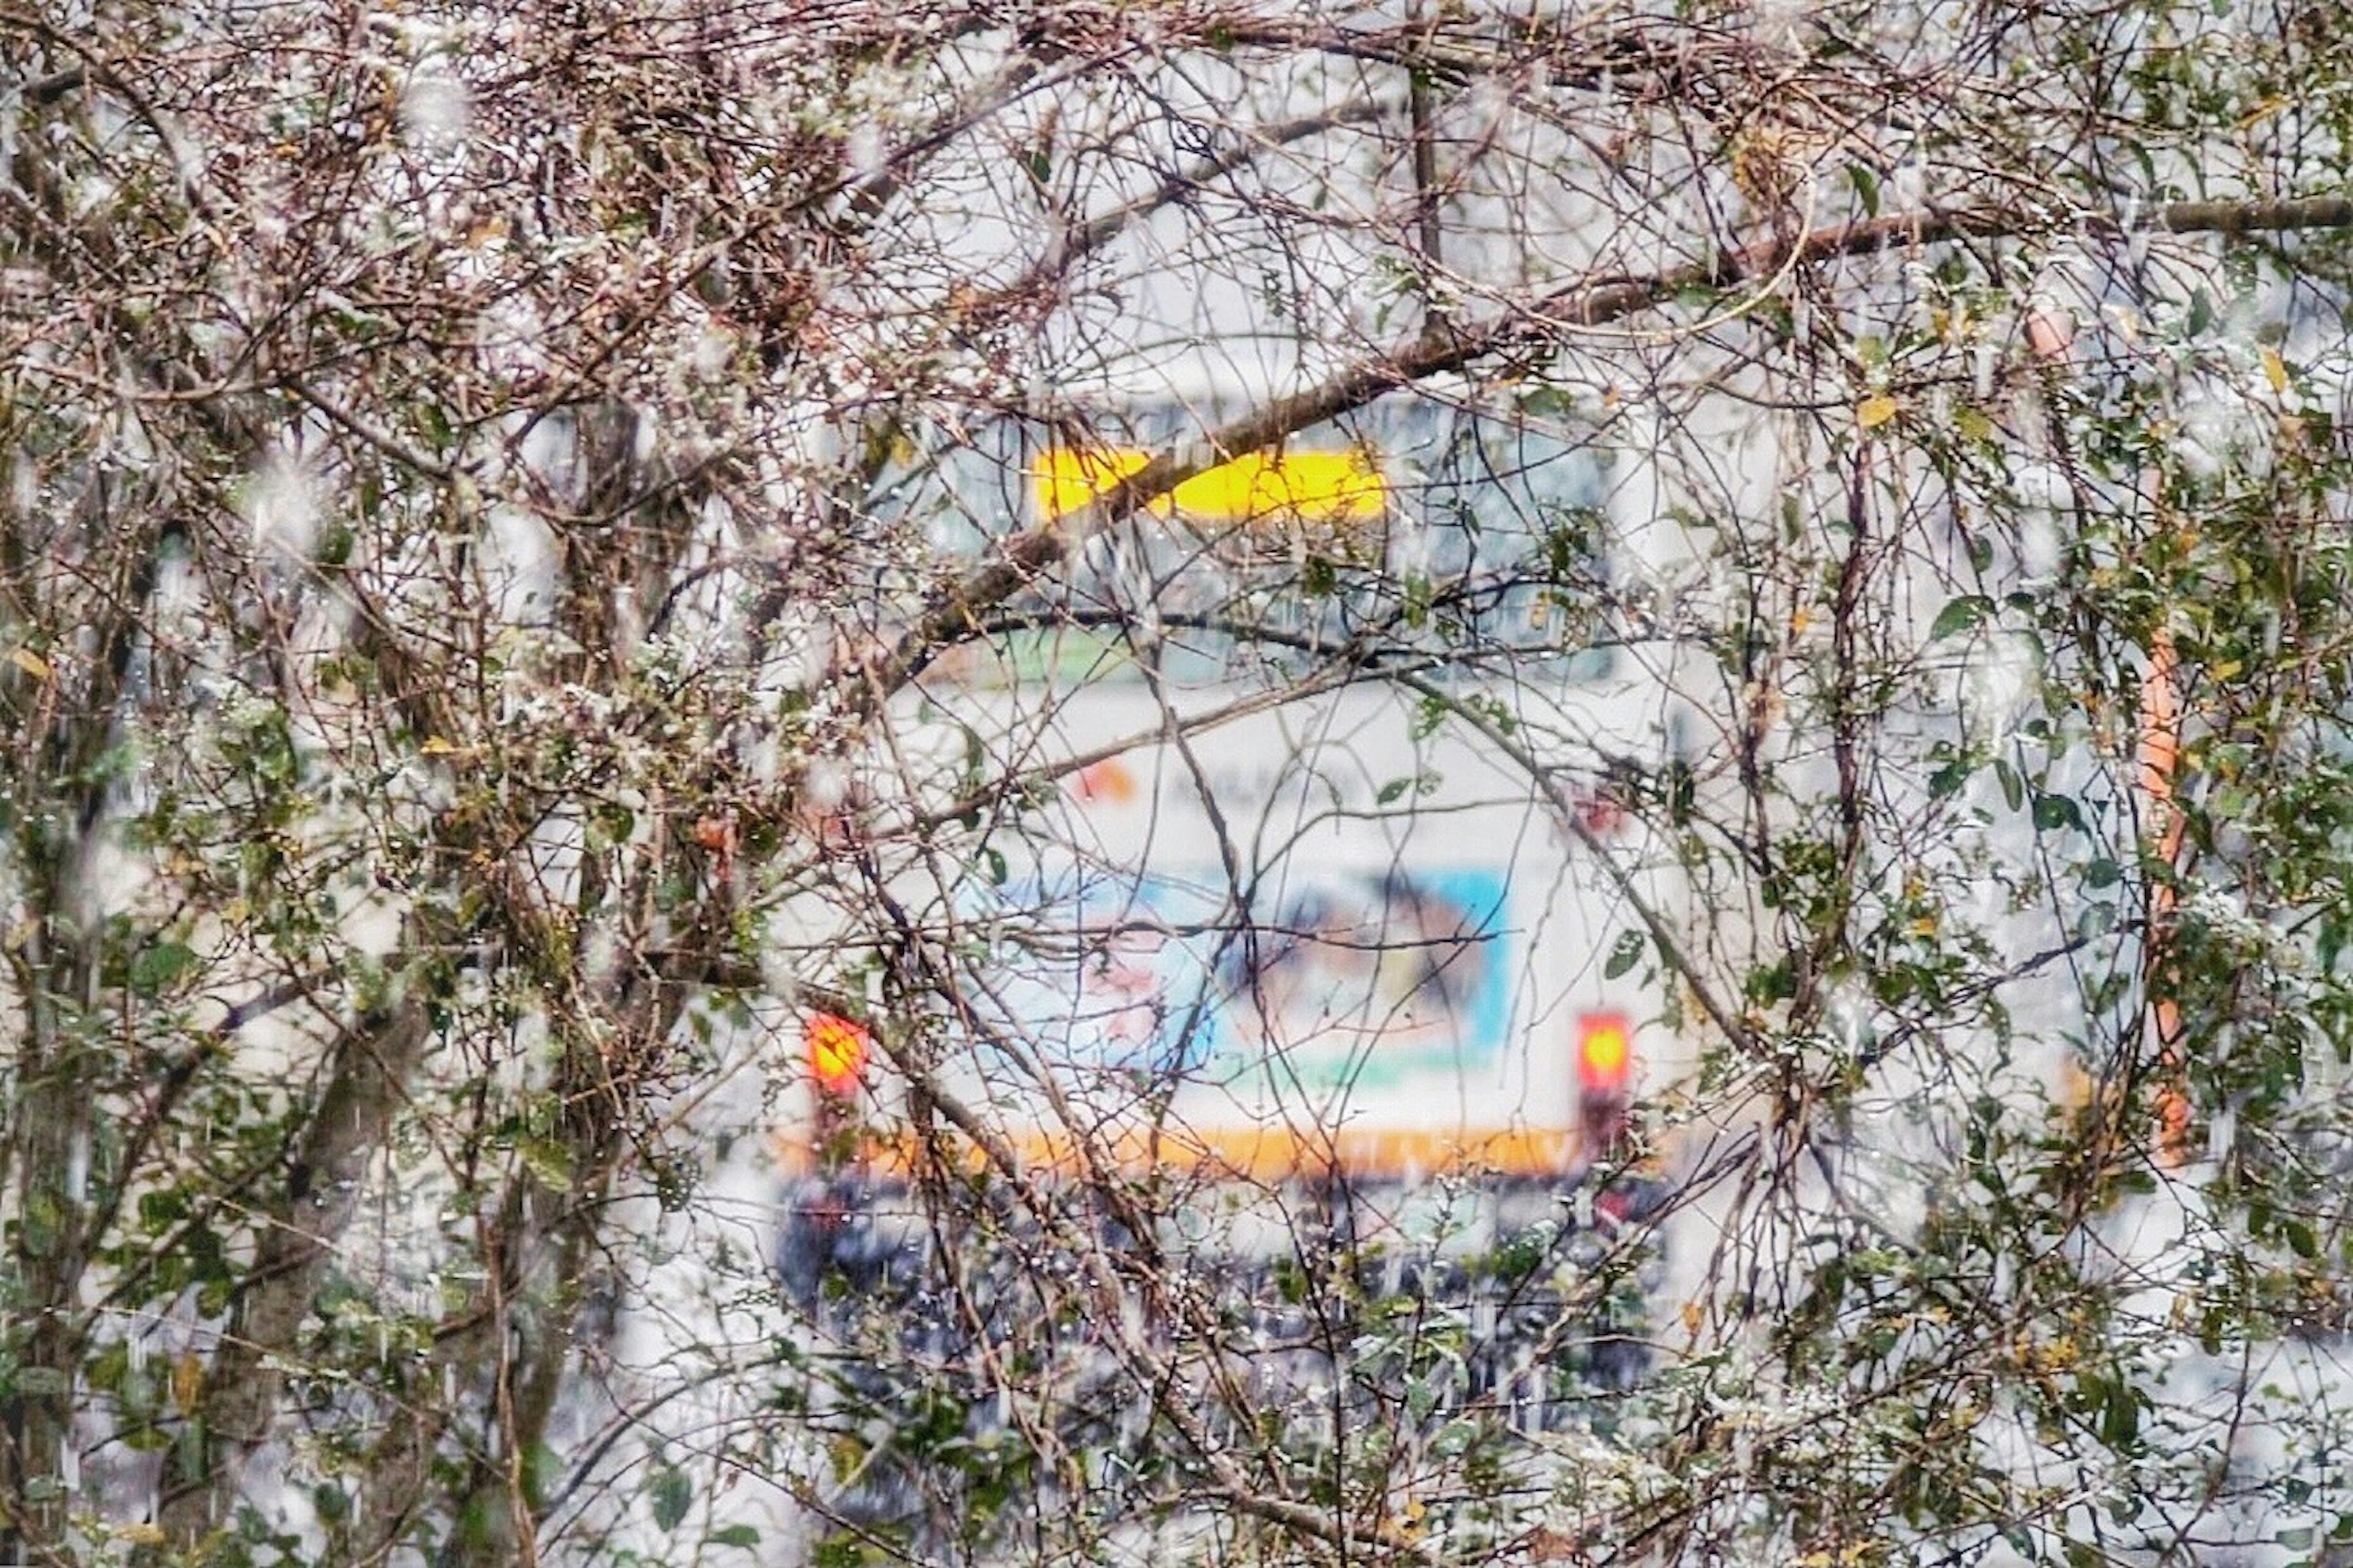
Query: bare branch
x: 1563, y: 313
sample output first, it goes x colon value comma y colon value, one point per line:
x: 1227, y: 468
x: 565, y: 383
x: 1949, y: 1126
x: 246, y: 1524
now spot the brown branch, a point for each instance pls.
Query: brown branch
x: 866, y: 196
x: 238, y: 1410
x: 1092, y: 236
x: 1428, y: 221
x: 47, y: 89
x: 1591, y: 302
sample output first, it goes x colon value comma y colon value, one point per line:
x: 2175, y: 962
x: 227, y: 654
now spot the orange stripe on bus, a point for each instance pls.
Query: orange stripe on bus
x: 1256, y: 1154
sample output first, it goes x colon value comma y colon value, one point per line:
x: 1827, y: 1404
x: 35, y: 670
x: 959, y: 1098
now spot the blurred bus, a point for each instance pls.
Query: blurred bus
x: 1318, y: 850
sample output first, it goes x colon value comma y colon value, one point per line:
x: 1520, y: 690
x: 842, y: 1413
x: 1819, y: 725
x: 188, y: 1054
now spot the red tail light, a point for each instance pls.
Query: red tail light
x: 837, y: 1053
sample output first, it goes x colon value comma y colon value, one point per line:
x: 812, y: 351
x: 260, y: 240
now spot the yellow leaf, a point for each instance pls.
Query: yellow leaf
x: 28, y: 661
x: 1875, y: 411
x: 2261, y: 112
x: 435, y: 747
x: 187, y: 1380
x: 2276, y: 370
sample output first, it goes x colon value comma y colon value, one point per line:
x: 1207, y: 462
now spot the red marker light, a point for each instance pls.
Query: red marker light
x: 837, y: 1052
x: 1605, y: 1054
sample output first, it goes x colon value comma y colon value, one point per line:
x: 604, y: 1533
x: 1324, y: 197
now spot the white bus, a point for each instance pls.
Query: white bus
x: 1333, y: 877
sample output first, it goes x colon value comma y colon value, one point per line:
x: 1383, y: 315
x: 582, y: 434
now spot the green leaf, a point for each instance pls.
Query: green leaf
x: 2013, y: 788
x: 549, y: 1160
x: 741, y: 1535
x: 161, y: 1209
x: 1392, y: 792
x: 611, y: 824
x: 1624, y: 954
x: 157, y: 967
x: 1866, y: 188
x: 2120, y: 1416
x: 1960, y: 615
x: 42, y: 1383
x: 542, y: 1469
x: 673, y: 1494
x: 2053, y: 812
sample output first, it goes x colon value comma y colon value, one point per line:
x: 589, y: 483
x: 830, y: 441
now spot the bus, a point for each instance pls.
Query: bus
x: 1306, y: 907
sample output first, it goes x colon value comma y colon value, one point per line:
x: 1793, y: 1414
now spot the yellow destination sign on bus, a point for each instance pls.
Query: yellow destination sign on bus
x: 1318, y: 487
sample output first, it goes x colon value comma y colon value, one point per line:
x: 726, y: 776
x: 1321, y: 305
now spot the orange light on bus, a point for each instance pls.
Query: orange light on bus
x: 837, y: 1052
x: 1605, y: 1054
